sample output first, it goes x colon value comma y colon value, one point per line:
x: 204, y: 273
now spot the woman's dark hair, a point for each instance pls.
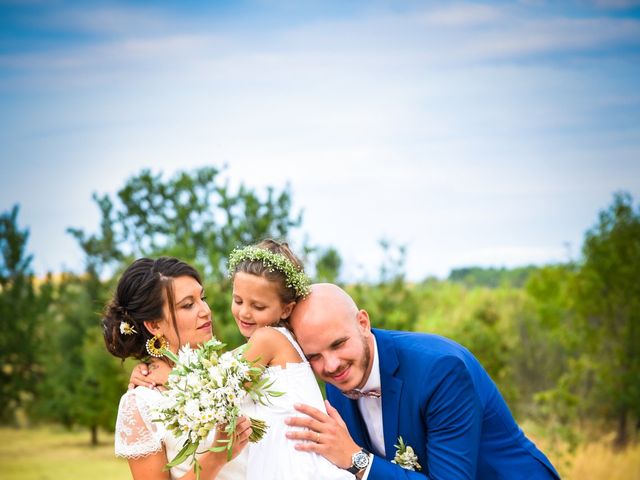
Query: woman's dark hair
x: 287, y: 294
x: 140, y: 296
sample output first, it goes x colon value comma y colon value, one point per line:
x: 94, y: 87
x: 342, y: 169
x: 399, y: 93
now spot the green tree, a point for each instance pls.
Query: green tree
x: 18, y: 318
x: 197, y: 216
x: 82, y: 383
x: 492, y: 277
x: 607, y: 292
x: 328, y: 264
x: 390, y: 301
x: 545, y: 336
x: 102, y: 383
x: 193, y: 215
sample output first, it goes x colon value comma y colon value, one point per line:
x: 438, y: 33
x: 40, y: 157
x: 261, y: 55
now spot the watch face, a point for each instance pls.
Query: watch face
x: 361, y: 460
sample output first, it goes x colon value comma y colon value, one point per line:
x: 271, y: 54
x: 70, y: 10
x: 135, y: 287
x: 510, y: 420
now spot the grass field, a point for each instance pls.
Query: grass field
x: 55, y: 454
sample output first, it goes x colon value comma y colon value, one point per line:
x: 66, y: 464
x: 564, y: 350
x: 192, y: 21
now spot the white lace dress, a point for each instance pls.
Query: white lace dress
x: 274, y: 457
x: 137, y: 435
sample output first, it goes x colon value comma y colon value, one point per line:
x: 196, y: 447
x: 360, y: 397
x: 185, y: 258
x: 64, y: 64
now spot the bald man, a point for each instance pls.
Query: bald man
x: 386, y: 384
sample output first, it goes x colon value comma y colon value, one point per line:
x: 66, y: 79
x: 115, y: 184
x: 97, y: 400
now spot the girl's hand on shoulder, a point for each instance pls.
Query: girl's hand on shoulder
x: 152, y: 375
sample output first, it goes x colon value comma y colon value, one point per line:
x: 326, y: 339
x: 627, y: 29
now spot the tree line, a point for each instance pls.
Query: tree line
x: 561, y: 341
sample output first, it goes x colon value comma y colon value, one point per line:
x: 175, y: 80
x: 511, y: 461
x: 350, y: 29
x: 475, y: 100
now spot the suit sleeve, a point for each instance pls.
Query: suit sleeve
x: 453, y: 416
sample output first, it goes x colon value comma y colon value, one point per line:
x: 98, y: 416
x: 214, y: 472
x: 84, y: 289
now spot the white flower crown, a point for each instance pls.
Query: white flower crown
x: 295, y: 277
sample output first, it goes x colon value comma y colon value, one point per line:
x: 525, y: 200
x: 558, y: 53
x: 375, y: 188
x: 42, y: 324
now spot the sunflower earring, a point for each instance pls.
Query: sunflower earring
x: 156, y: 344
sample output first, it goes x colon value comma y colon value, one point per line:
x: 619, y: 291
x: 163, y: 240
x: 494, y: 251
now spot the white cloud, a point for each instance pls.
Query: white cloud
x: 462, y: 15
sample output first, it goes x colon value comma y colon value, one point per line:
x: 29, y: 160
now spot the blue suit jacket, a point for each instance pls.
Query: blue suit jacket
x: 437, y: 396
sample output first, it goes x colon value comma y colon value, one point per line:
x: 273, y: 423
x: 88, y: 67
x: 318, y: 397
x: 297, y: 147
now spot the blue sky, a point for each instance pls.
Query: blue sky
x: 474, y: 133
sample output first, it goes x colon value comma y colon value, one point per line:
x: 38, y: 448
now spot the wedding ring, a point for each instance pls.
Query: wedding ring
x: 317, y: 437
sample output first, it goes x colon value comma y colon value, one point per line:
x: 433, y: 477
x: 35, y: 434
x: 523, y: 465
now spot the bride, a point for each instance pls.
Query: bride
x: 160, y: 303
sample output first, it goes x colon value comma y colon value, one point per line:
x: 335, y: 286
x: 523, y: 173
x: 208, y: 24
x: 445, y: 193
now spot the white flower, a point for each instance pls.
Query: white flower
x: 194, y: 382
x: 192, y: 408
x: 187, y: 357
x: 126, y: 329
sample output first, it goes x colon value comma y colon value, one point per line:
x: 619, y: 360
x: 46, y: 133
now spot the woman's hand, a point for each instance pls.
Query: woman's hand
x: 240, y: 437
x: 152, y: 375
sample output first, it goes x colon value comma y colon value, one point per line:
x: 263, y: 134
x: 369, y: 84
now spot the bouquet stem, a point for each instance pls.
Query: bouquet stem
x: 258, y: 429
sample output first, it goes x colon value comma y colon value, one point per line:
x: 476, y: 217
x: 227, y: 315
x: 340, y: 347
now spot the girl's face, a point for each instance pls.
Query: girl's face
x: 193, y: 315
x: 256, y: 303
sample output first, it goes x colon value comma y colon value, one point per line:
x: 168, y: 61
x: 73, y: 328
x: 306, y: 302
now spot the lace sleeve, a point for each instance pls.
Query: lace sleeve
x: 136, y: 435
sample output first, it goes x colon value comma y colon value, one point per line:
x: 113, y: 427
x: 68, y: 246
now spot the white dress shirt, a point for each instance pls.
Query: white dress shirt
x: 371, y: 409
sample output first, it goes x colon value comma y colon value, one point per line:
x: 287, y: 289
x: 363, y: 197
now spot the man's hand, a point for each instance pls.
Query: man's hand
x: 327, y: 435
x: 149, y: 375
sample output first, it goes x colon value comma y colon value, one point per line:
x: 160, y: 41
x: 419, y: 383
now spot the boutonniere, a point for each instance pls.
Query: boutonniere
x: 405, y: 456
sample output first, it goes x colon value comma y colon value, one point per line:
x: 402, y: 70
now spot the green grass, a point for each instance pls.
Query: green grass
x: 55, y: 454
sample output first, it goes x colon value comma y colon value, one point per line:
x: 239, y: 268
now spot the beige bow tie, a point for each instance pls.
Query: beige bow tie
x: 355, y: 394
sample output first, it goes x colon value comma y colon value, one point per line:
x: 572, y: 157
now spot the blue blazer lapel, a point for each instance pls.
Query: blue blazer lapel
x: 351, y: 415
x: 366, y: 441
x: 391, y: 387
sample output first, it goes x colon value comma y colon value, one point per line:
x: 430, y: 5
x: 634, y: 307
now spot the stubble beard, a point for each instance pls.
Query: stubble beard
x: 364, y: 363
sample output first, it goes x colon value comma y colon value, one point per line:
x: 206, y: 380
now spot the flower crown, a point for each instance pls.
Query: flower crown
x: 295, y: 277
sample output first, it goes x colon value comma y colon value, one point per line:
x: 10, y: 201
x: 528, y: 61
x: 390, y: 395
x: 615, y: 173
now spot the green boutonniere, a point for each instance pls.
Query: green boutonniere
x: 405, y: 456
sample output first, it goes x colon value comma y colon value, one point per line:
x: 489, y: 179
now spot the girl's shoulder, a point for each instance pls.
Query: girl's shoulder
x: 269, y: 337
x: 273, y: 346
x: 271, y: 332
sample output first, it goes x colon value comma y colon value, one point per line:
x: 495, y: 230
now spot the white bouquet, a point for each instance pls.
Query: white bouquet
x: 205, y: 389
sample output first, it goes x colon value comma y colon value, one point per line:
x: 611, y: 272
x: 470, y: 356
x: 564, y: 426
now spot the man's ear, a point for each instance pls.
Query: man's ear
x: 152, y: 327
x: 363, y: 321
x: 286, y: 312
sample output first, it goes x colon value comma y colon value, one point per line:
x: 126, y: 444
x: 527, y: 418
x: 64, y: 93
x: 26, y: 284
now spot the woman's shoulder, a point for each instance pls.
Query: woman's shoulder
x: 143, y: 393
x: 139, y: 399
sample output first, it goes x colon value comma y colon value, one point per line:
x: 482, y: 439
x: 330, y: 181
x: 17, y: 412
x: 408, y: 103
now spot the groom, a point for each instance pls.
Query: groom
x: 424, y: 388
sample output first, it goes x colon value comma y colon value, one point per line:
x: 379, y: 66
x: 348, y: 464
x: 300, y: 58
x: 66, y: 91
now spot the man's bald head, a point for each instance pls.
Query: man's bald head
x: 325, y: 299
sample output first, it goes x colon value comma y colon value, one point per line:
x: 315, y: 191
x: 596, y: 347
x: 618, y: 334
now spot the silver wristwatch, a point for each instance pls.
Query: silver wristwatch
x: 359, y: 461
